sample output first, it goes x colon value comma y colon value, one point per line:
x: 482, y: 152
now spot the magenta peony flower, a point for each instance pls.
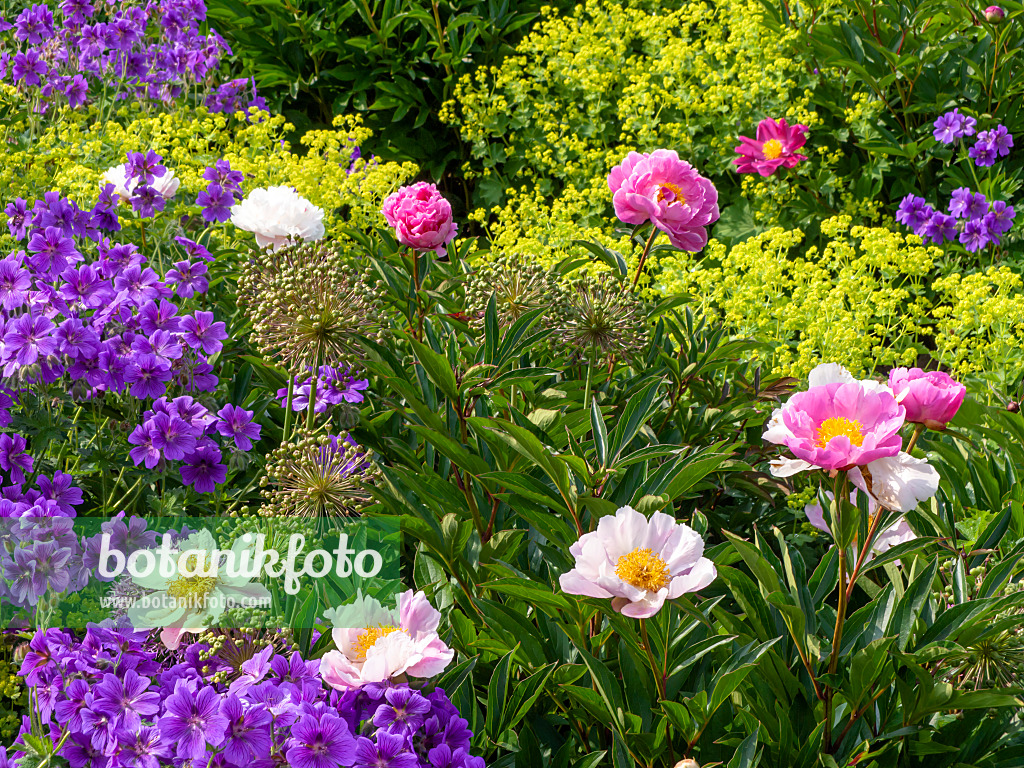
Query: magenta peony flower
x: 775, y: 146
x: 931, y: 398
x: 839, y: 425
x: 637, y: 562
x: 376, y: 644
x: 661, y: 188
x: 422, y: 218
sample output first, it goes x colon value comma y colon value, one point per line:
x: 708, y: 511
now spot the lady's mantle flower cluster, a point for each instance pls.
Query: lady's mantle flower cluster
x: 660, y: 188
x: 121, y: 700
x: 972, y: 220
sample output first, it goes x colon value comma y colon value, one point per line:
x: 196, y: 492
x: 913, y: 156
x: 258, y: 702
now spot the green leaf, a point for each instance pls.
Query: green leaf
x: 600, y: 433
x: 497, y: 694
x: 437, y: 368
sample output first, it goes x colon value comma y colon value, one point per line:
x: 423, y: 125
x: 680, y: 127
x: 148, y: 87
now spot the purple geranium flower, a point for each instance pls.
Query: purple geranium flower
x: 192, y: 719
x: 403, y: 713
x: 1000, y: 219
x: 203, y: 470
x: 983, y: 153
x: 128, y: 698
x: 248, y: 731
x: 199, y: 330
x: 26, y: 338
x: 236, y: 422
x: 216, y: 202
x: 389, y: 751
x: 324, y: 742
x: 966, y: 205
x: 15, y: 282
x: 913, y: 212
x: 61, y: 490
x: 148, y: 375
x: 175, y: 437
x: 975, y: 235
x: 145, y: 167
x: 16, y: 215
x: 952, y: 126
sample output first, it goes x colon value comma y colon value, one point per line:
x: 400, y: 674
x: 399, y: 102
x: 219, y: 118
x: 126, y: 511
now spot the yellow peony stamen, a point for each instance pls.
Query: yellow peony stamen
x: 191, y: 589
x: 671, y: 192
x: 644, y: 570
x: 840, y: 425
x: 370, y: 636
x: 772, y: 149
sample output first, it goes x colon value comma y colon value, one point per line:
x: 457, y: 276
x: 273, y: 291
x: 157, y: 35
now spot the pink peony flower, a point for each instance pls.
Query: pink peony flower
x: 838, y: 425
x: 931, y: 398
x: 994, y: 14
x: 422, y: 218
x: 661, y: 188
x: 376, y: 644
x: 775, y: 146
x: 638, y: 563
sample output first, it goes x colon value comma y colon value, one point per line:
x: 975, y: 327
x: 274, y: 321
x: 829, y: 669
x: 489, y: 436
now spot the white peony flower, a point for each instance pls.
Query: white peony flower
x: 898, y: 482
x: 166, y: 185
x: 189, y: 602
x: 277, y: 216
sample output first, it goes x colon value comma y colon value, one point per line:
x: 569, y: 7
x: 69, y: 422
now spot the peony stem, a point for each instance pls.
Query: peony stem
x: 918, y: 429
x: 643, y: 256
x: 659, y: 680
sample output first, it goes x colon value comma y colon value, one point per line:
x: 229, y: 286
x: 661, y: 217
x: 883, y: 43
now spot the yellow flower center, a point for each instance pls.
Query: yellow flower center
x: 772, y: 149
x: 671, y: 193
x: 191, y: 589
x: 643, y: 569
x: 369, y: 638
x: 840, y: 425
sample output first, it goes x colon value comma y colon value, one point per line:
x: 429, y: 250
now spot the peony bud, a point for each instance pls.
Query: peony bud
x: 931, y: 398
x: 994, y: 14
x: 689, y: 762
x: 1013, y: 406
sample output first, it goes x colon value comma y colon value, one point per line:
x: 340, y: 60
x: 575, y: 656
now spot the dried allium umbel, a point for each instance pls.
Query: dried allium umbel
x: 316, y: 477
x: 308, y: 307
x: 600, y: 319
x: 517, y: 287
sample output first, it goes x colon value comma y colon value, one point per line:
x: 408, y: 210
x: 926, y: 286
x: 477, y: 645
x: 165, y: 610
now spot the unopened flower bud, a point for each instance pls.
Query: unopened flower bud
x: 689, y: 762
x: 994, y: 14
x: 1013, y: 406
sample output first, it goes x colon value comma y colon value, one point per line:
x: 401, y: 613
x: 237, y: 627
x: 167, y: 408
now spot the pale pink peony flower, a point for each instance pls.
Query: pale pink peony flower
x: 639, y: 563
x: 774, y: 147
x: 166, y: 185
x: 421, y: 217
x: 278, y: 216
x: 376, y: 644
x: 661, y: 188
x: 931, y: 398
